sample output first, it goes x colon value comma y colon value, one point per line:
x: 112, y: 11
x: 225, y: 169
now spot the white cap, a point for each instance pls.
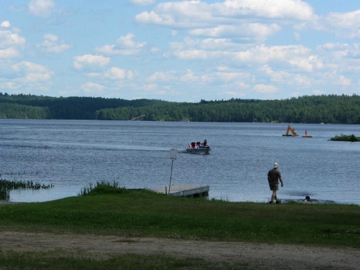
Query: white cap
x: 276, y: 165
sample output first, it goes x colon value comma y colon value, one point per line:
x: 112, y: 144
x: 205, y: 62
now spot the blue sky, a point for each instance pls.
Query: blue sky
x: 180, y: 50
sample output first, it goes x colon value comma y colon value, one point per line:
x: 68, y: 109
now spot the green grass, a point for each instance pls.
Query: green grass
x: 56, y: 261
x: 110, y: 210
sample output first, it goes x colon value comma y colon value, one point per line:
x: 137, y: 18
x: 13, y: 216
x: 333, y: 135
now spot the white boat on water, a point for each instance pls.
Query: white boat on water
x: 199, y: 148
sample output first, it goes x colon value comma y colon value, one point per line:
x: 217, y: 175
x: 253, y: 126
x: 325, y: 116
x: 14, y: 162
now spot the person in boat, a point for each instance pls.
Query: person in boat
x: 198, y: 145
x: 192, y: 145
x: 205, y: 143
x: 274, y: 176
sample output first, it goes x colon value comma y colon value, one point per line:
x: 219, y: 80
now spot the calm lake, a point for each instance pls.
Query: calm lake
x: 71, y: 154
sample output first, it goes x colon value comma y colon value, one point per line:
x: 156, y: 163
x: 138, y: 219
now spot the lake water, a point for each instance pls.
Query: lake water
x: 71, y: 154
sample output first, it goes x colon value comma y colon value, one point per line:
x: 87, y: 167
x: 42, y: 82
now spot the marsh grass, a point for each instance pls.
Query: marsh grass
x: 21, y: 173
x: 112, y: 210
x: 6, y: 186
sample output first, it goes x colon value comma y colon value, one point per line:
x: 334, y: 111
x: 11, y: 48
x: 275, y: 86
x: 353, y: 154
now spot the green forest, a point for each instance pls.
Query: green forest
x: 62, y: 107
x: 336, y: 109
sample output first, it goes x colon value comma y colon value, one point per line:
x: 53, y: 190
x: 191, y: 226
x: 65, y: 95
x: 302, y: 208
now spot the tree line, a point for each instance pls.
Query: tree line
x: 307, y: 109
x: 337, y: 109
x: 63, y: 107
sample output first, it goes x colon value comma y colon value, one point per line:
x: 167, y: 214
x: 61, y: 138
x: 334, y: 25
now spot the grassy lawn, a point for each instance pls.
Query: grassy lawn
x: 110, y: 210
x: 56, y: 261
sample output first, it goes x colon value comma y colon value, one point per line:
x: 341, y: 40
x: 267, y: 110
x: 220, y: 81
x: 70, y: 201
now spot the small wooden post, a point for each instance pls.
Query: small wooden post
x: 173, y: 153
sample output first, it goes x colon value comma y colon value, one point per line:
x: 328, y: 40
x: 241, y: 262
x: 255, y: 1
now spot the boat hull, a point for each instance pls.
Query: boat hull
x: 199, y: 151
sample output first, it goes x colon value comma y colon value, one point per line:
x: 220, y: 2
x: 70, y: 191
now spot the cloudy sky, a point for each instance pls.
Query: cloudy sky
x: 180, y: 50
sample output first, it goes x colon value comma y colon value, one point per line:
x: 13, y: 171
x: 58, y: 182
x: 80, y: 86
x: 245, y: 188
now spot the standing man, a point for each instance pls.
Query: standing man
x: 274, y: 176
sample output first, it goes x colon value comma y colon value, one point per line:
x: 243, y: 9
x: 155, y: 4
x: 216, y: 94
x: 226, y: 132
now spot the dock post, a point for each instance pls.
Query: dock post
x: 172, y: 163
x: 173, y: 154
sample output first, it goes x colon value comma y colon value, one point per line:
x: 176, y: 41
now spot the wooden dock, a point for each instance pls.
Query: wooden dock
x: 189, y: 191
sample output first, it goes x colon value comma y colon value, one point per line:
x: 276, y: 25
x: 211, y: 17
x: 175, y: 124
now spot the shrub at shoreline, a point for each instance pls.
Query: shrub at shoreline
x: 346, y: 138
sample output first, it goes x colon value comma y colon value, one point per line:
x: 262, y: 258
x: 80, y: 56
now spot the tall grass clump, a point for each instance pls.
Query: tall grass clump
x: 102, y: 187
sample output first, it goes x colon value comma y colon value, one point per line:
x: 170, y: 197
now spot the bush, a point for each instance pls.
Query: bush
x: 346, y: 138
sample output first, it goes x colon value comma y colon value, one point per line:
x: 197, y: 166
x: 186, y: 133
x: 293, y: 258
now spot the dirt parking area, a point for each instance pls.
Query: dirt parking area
x: 286, y: 256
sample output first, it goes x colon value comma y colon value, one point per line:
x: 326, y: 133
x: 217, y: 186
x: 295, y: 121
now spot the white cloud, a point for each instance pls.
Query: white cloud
x: 346, y: 25
x: 342, y: 80
x: 318, y: 92
x: 204, y: 48
x: 263, y: 88
x: 233, y: 94
x: 116, y: 73
x: 265, y: 54
x: 230, y: 76
x: 193, y: 54
x: 125, y: 45
x: 128, y: 42
x: 93, y: 74
x: 92, y: 88
x: 191, y: 77
x: 142, y: 2
x: 340, y: 50
x: 162, y: 76
x: 242, y: 85
x: 242, y: 31
x: 308, y: 64
x: 31, y: 73
x: 9, y: 53
x: 221, y: 49
x: 91, y: 61
x: 41, y: 8
x: 131, y: 75
x: 285, y: 77
x: 297, y: 36
x: 149, y: 87
x: 8, y: 85
x: 29, y: 67
x: 215, y: 44
x: 37, y: 77
x: 154, y: 50
x: 10, y: 37
x: 108, y: 49
x: 5, y: 24
x: 279, y: 9
x: 52, y: 44
x: 196, y: 13
x: 177, y: 14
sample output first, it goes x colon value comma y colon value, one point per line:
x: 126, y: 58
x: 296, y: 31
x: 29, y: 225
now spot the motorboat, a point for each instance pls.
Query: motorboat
x: 198, y: 148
